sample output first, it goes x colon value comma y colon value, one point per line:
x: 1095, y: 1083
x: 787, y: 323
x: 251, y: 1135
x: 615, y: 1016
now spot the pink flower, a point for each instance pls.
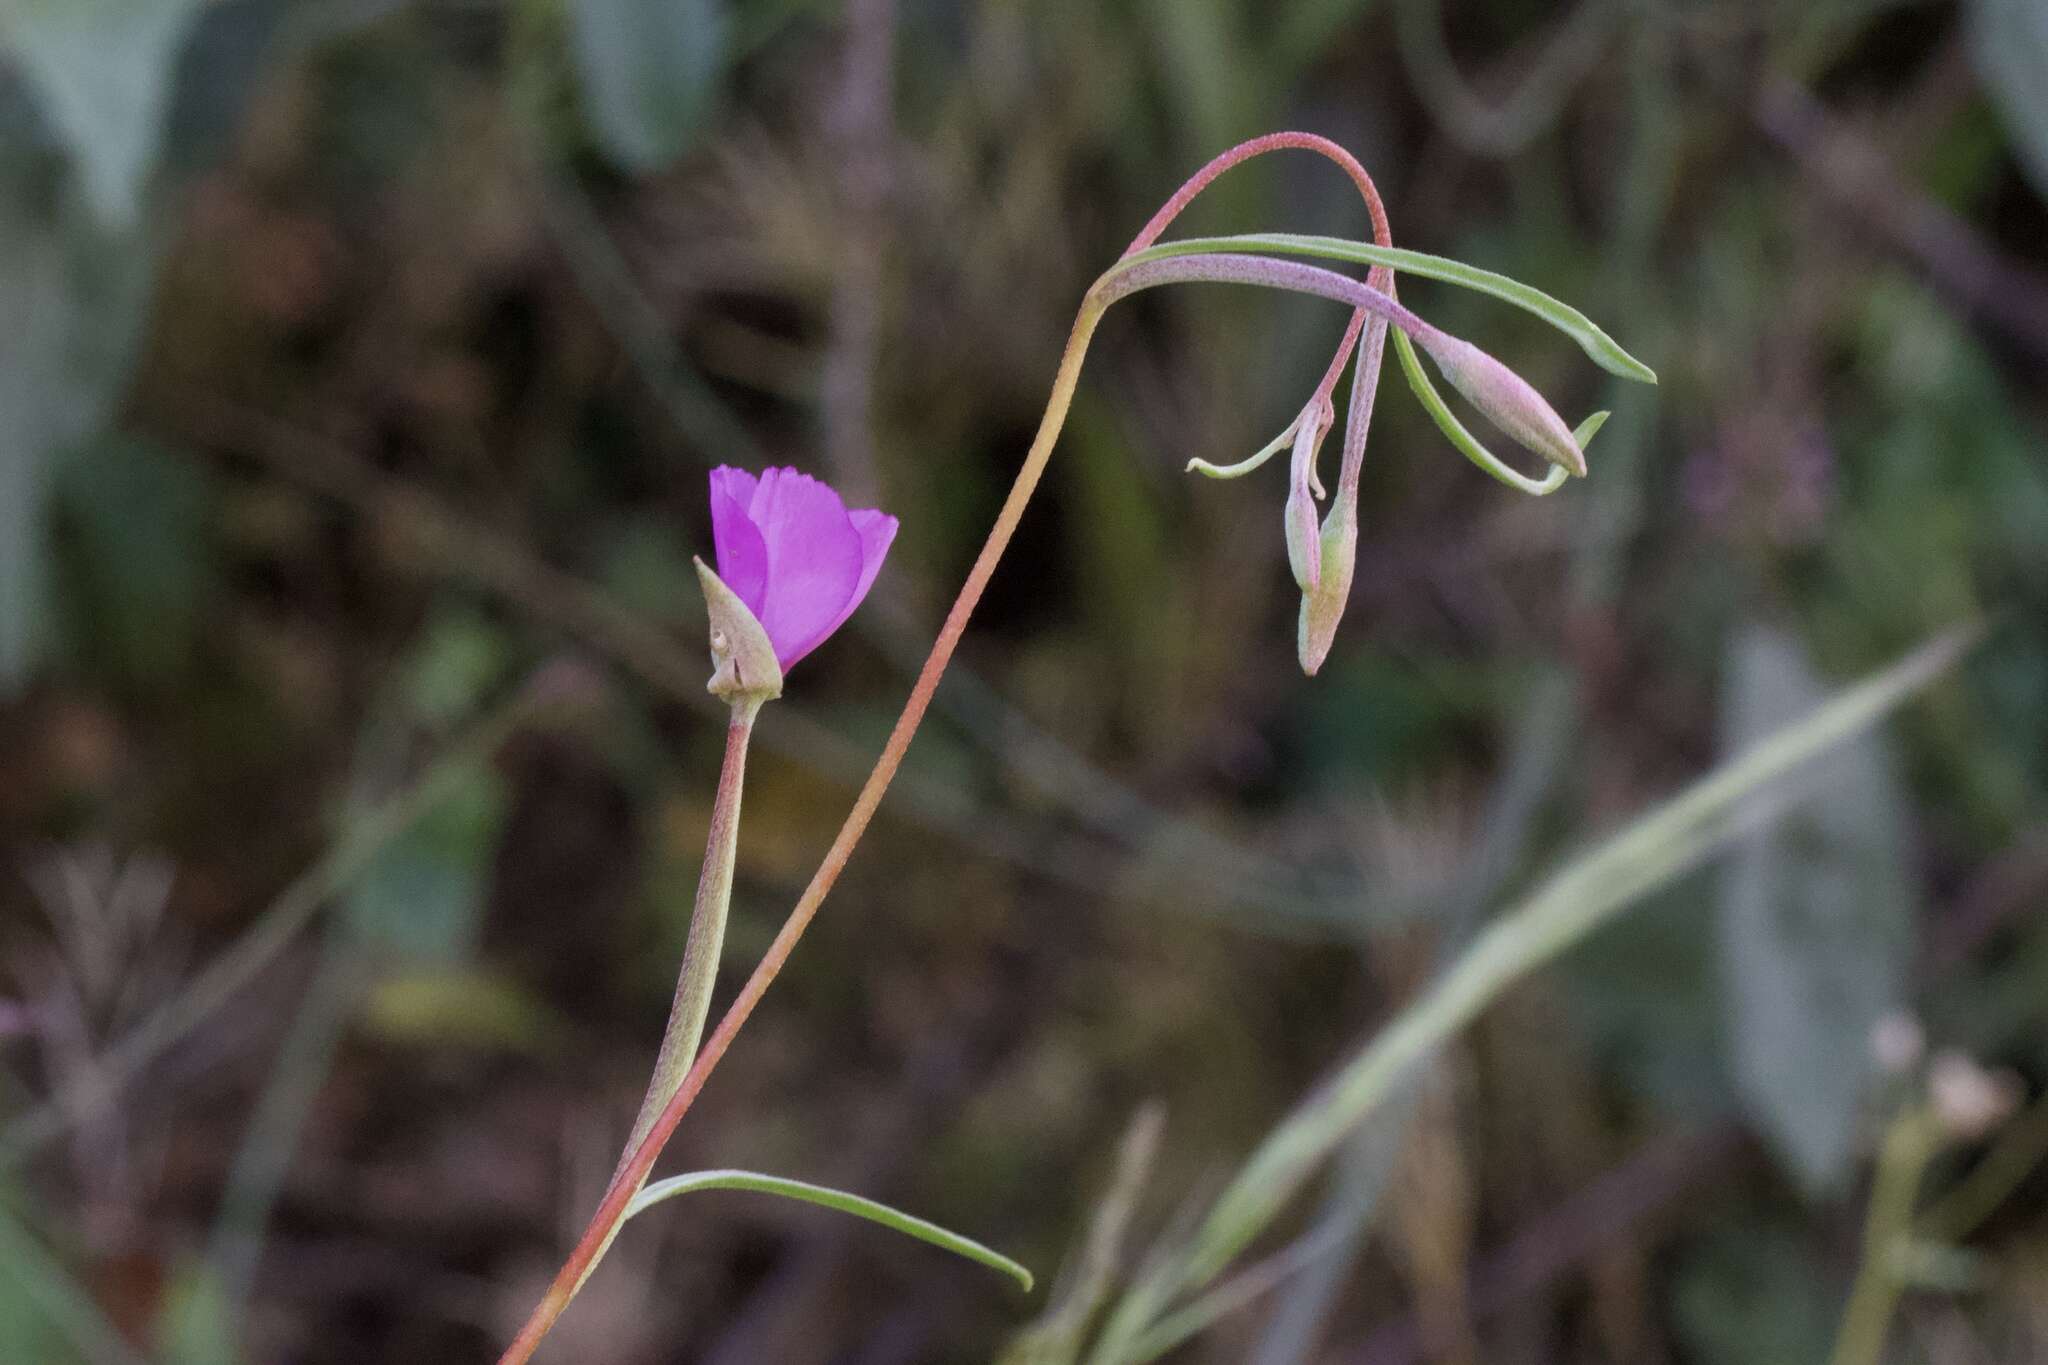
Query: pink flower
x: 790, y: 549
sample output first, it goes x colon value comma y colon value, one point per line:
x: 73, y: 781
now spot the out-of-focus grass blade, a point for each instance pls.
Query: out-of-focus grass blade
x: 1651, y: 851
x: 1057, y: 1337
x: 829, y: 1198
x: 1601, y: 348
x: 63, y: 1302
x: 197, y: 1324
x: 1231, y: 1295
x: 356, y: 849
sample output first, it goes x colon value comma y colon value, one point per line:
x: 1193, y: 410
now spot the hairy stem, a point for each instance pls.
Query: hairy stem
x: 701, y: 952
x: 1122, y: 281
x: 692, y: 1007
x: 633, y: 1171
x: 1380, y: 278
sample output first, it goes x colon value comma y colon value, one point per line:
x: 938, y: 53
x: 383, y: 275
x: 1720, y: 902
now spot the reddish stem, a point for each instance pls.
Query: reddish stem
x: 633, y: 1172
x: 1381, y: 278
x: 1259, y: 146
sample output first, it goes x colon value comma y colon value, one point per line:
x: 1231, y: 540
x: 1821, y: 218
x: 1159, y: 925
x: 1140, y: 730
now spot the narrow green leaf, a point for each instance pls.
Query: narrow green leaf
x: 45, y: 1288
x: 1057, y: 1336
x: 1232, y: 1295
x: 832, y: 1199
x: 1649, y: 852
x: 1601, y: 348
x: 196, y: 1325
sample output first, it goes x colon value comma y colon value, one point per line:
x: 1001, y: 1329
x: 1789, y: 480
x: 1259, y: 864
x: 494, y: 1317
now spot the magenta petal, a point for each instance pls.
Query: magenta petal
x: 737, y: 484
x: 742, y: 553
x: 877, y: 534
x: 815, y: 561
x: 877, y: 530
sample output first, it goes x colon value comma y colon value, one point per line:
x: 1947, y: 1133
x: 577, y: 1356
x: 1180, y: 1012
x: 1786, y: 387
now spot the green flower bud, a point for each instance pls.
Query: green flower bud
x: 742, y: 657
x: 1322, y: 606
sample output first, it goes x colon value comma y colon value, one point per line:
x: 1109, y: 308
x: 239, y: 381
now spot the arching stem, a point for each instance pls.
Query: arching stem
x: 633, y: 1170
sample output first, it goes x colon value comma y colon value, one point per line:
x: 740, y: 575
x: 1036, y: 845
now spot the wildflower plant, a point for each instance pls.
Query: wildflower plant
x: 793, y: 563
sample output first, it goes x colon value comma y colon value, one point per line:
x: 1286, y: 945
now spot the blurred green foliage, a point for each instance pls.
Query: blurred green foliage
x: 360, y: 363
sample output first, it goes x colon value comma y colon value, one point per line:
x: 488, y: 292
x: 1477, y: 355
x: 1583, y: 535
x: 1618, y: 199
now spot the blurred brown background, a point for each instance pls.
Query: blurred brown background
x: 361, y: 363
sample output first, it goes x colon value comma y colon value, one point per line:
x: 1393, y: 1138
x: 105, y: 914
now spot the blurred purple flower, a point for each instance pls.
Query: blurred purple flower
x: 790, y: 549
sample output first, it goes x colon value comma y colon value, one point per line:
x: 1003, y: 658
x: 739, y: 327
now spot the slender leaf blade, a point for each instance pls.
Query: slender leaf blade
x: 1651, y: 851
x: 1602, y: 349
x: 826, y: 1197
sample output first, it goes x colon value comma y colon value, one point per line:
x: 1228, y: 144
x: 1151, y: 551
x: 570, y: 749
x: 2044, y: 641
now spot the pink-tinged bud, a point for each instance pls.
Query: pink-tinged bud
x: 1506, y: 399
x: 1969, y: 1101
x: 1322, y: 606
x: 743, y: 663
x: 1304, y: 550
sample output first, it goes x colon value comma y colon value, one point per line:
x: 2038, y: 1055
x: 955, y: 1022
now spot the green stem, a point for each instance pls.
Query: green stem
x: 2021, y: 1147
x: 611, y: 1210
x: 692, y: 1007
x: 1912, y: 1142
x: 701, y: 952
x: 1578, y: 899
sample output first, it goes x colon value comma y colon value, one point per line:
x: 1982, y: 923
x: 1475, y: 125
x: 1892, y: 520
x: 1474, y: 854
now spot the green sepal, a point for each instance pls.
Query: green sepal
x: 742, y: 657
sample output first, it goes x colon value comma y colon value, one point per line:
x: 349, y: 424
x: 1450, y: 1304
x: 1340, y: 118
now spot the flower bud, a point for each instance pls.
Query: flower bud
x: 1323, y: 605
x: 1304, y: 552
x: 742, y: 656
x: 1507, y: 399
x: 1968, y: 1100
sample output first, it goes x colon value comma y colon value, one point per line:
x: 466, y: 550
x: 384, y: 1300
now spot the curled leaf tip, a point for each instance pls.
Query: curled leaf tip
x: 1246, y: 465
